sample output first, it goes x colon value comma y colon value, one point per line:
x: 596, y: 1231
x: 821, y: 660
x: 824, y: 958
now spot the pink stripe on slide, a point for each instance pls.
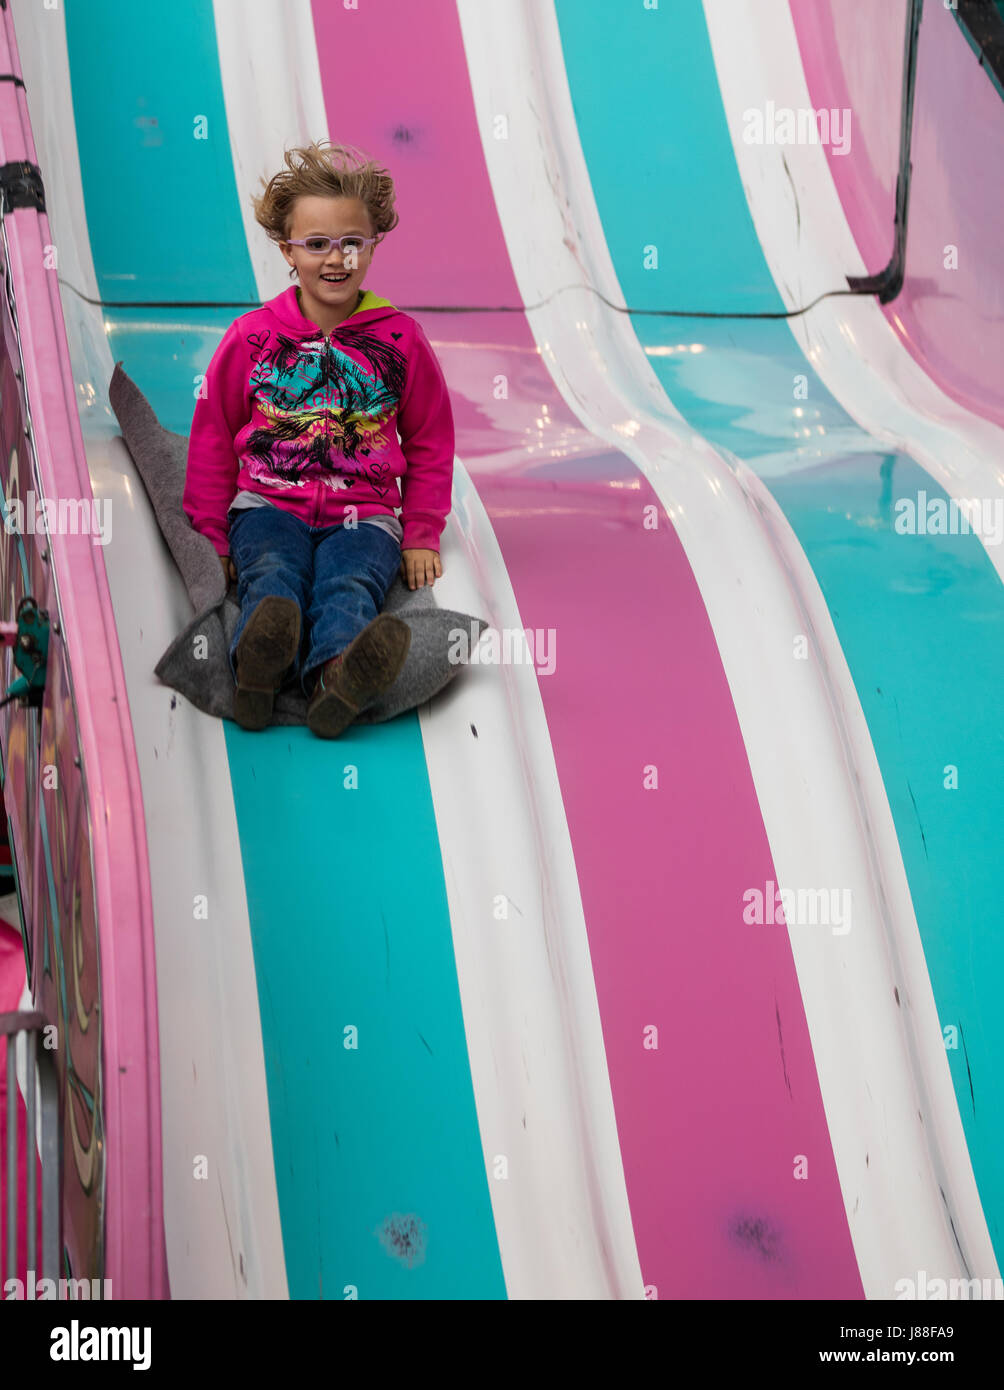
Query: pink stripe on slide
x: 711, y: 1122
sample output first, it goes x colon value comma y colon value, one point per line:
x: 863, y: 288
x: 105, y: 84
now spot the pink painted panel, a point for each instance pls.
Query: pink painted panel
x: 950, y: 319
x: 95, y: 813
x: 708, y: 1123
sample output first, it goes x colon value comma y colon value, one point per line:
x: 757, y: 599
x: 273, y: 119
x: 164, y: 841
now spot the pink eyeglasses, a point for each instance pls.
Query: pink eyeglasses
x: 321, y: 245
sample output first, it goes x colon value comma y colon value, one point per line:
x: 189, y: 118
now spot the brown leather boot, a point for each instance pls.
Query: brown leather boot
x: 267, y: 647
x: 352, y: 680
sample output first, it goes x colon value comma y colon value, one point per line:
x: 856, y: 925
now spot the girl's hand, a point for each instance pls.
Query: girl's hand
x: 229, y: 571
x: 420, y: 567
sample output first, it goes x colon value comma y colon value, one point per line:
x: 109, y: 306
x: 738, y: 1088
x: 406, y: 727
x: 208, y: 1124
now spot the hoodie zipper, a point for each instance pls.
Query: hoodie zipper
x: 318, y: 485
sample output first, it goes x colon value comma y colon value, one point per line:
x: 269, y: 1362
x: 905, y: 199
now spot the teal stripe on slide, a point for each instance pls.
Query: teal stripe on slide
x: 375, y: 1134
x: 920, y: 617
x: 379, y: 1166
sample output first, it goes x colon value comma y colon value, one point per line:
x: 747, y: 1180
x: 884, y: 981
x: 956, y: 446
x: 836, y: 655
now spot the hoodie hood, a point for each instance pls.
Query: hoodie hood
x: 286, y: 308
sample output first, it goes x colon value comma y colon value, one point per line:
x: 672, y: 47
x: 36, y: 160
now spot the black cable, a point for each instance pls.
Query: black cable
x: 474, y: 308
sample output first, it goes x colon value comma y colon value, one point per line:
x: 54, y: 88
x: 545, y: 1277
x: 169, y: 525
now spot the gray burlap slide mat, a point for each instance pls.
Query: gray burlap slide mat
x: 200, y: 670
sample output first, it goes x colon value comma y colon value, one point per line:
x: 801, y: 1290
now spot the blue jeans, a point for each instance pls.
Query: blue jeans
x: 339, y: 577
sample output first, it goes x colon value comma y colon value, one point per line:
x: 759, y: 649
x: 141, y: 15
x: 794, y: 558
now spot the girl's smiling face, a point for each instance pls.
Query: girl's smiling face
x: 327, y: 301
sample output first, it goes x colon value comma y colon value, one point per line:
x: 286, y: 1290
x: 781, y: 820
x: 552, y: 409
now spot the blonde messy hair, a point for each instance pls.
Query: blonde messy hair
x: 326, y: 170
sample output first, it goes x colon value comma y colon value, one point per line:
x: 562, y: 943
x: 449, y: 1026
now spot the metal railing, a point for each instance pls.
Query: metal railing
x: 41, y: 1093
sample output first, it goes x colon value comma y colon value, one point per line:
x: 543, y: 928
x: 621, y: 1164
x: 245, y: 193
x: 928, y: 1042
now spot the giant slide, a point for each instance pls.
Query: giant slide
x: 666, y: 963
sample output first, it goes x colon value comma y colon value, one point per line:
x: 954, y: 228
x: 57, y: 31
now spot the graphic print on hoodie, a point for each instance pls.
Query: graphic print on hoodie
x: 312, y: 421
x: 315, y: 398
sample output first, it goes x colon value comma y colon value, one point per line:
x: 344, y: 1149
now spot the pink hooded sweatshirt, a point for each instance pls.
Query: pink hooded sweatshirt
x: 312, y: 422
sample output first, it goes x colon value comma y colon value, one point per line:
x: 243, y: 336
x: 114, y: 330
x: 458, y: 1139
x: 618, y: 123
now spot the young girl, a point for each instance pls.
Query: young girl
x: 294, y: 461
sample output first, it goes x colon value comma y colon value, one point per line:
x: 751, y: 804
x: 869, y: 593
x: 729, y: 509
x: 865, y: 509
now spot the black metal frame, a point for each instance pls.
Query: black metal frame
x: 40, y: 1066
x: 888, y: 282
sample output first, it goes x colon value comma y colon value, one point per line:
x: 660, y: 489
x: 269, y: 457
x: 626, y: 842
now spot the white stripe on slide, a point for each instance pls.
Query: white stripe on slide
x: 867, y: 369
x: 802, y: 728
x: 567, y: 1225
x: 274, y: 100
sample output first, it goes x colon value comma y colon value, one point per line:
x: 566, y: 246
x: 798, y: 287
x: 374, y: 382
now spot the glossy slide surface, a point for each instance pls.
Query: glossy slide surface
x: 497, y: 1000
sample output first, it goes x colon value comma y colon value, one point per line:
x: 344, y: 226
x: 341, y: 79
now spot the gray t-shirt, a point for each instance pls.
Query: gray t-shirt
x: 386, y: 523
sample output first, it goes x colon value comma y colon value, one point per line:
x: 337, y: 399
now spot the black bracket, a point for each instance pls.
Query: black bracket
x: 21, y: 186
